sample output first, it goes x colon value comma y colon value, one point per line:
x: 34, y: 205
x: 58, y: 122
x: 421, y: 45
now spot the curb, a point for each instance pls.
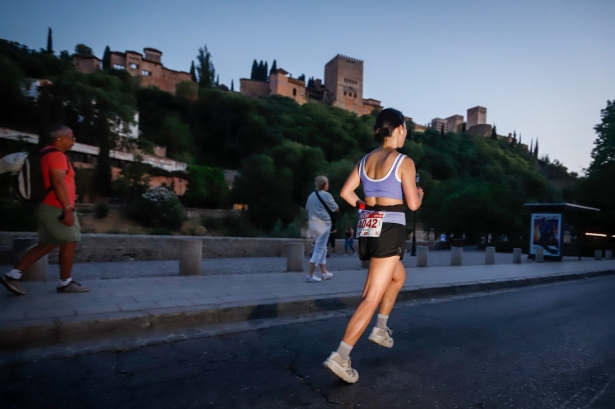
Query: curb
x: 47, y: 332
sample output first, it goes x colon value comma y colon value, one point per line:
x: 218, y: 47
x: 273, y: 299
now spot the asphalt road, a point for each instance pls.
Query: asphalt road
x: 542, y: 347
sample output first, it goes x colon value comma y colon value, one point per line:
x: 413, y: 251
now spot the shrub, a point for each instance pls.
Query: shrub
x: 101, y: 210
x: 158, y: 208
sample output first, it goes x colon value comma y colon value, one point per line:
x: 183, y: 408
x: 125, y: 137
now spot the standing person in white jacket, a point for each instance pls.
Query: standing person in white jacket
x: 320, y: 206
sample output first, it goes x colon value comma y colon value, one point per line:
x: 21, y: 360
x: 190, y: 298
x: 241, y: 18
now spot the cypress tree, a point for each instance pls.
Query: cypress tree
x: 274, y: 66
x: 463, y: 127
x: 193, y: 73
x: 49, y: 42
x: 531, y: 146
x: 494, y: 133
x: 254, y: 74
x: 442, y: 130
x: 259, y: 70
x: 536, y: 149
x: 232, y: 86
x: 106, y: 62
x: 266, y: 72
x: 218, y: 80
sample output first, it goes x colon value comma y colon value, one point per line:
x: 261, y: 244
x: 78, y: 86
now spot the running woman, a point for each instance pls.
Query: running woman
x: 387, y: 177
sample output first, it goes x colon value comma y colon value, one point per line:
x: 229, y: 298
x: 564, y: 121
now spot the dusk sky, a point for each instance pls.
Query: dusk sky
x: 542, y: 68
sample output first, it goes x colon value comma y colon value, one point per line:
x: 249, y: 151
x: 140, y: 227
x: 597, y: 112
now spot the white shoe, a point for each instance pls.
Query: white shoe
x: 381, y: 337
x: 313, y: 279
x: 340, y: 368
x: 327, y: 276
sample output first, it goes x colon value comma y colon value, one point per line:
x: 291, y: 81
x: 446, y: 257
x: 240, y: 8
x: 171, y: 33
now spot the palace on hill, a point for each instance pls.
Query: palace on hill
x: 342, y: 87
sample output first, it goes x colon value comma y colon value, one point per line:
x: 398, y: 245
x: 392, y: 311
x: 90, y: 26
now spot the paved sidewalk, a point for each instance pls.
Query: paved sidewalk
x: 125, y: 306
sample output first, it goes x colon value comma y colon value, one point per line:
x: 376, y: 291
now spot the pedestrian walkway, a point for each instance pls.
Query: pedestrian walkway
x: 125, y: 306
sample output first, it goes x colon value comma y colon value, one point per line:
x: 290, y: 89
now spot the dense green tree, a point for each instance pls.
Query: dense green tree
x: 49, y: 41
x: 274, y: 66
x: 267, y: 191
x: 187, y: 89
x: 207, y: 188
x: 301, y: 77
x: 596, y: 189
x: 494, y: 133
x: 205, y: 68
x: 603, y: 152
x: 232, y: 85
x: 106, y: 60
x: 83, y: 49
x: 536, y: 149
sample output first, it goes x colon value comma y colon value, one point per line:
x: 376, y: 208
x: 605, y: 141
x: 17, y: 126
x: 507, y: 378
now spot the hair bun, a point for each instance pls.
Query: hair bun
x: 382, y: 132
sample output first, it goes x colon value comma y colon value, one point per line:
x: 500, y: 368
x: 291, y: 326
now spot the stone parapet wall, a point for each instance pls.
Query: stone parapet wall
x: 120, y: 247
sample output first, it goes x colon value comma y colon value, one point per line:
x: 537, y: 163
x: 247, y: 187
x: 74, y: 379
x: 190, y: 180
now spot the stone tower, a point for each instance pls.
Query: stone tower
x: 476, y: 116
x: 344, y: 81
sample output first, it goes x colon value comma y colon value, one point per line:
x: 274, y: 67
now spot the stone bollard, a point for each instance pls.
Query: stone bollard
x: 365, y: 264
x: 598, y: 255
x: 294, y: 256
x: 490, y: 255
x: 456, y: 256
x: 38, y: 270
x: 540, y: 255
x: 608, y: 254
x: 190, y: 255
x: 422, y: 253
x: 516, y: 256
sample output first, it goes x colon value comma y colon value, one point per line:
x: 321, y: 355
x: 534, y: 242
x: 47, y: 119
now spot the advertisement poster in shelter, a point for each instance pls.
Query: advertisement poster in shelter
x: 545, y: 233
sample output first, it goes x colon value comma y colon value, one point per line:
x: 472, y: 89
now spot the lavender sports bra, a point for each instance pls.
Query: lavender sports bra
x: 389, y: 186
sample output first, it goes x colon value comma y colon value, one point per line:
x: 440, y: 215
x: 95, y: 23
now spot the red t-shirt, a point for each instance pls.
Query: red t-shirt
x: 58, y: 160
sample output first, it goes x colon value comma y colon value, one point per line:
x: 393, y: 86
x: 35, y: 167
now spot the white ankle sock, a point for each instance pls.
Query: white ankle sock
x: 14, y: 273
x: 66, y: 282
x: 344, y: 350
x: 382, y: 321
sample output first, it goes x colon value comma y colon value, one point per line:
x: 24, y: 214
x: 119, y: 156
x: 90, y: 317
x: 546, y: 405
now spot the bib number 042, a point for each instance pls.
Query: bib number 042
x: 370, y: 224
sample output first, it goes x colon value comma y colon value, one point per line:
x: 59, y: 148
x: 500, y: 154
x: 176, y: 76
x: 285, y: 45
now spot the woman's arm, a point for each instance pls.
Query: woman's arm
x: 414, y: 195
x: 352, y: 183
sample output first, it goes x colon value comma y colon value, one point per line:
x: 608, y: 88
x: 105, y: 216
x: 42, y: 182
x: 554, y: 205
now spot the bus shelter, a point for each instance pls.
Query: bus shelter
x: 552, y: 225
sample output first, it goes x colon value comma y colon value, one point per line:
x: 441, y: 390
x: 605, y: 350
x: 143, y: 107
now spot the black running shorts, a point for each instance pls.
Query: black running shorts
x: 392, y: 242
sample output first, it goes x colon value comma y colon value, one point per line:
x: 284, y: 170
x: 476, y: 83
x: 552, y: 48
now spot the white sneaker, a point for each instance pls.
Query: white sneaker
x: 381, y: 337
x: 340, y: 368
x: 313, y: 279
x: 327, y: 276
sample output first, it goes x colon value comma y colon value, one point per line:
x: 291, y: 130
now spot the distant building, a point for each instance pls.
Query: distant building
x: 281, y: 84
x: 476, y: 116
x: 454, y: 123
x: 343, y: 86
x: 87, y: 63
x: 439, y: 125
x: 147, y: 66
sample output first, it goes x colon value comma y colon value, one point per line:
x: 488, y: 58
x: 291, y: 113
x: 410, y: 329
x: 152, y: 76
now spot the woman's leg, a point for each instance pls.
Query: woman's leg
x: 346, y: 241
x: 390, y: 295
x: 319, y: 255
x: 352, y: 245
x: 379, y: 277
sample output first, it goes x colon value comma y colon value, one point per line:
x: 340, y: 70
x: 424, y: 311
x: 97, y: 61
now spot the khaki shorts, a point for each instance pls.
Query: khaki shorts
x: 51, y: 230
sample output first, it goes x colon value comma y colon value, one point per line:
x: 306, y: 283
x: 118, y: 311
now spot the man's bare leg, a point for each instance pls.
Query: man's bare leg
x: 33, y: 255
x: 67, y: 259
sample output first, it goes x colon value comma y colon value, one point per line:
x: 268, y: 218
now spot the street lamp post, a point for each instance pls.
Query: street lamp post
x: 413, y: 253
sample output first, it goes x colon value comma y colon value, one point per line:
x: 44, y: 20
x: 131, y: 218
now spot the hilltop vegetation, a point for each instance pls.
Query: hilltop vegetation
x: 473, y: 185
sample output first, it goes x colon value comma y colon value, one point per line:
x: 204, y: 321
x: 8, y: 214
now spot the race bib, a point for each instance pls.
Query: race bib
x: 370, y: 224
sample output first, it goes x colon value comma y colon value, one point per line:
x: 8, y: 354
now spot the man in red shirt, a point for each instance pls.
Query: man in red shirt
x: 57, y: 223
